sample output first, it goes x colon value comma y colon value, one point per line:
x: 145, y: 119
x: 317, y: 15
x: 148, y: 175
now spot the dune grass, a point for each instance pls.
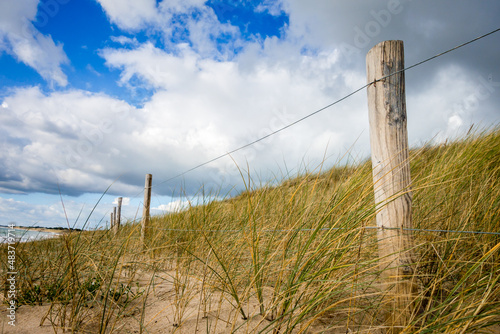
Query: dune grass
x: 299, y: 251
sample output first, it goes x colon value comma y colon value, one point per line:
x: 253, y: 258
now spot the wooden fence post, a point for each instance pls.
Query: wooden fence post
x: 145, y: 211
x: 118, y: 216
x: 391, y: 177
x: 114, y: 219
x: 111, y: 221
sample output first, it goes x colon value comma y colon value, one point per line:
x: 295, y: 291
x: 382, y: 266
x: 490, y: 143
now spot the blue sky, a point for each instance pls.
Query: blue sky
x: 94, y: 94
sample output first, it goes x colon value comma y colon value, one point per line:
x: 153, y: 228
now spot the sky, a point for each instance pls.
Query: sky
x: 95, y: 94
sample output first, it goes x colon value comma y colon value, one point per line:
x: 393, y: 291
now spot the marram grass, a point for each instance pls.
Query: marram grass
x: 298, y: 251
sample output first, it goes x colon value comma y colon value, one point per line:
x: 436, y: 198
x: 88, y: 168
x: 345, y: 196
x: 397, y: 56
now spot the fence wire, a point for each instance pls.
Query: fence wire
x: 327, y: 229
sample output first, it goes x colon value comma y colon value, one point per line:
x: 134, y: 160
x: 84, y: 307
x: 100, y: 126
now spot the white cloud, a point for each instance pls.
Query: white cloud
x: 448, y: 104
x: 202, y: 108
x: 124, y: 40
x: 130, y: 14
x: 204, y: 31
x: 154, y: 66
x: 135, y: 15
x: 125, y: 201
x: 273, y: 7
x: 61, y: 211
x: 27, y: 44
x: 178, y: 21
x: 65, y: 138
x: 174, y: 206
x: 29, y: 214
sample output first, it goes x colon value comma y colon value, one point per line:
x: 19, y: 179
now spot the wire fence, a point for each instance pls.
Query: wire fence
x: 327, y: 229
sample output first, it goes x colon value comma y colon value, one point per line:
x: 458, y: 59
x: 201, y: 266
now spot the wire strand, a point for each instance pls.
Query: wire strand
x: 332, y: 229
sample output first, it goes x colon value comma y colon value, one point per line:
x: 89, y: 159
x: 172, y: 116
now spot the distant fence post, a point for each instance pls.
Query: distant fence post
x: 111, y: 221
x: 391, y: 177
x: 145, y: 211
x: 118, y: 216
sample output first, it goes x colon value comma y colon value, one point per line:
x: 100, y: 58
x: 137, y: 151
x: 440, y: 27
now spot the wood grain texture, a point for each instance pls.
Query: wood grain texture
x: 391, y: 178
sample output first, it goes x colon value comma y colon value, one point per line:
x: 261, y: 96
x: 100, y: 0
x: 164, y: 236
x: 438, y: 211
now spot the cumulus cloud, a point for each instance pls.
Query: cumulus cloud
x: 63, y: 211
x: 19, y: 211
x: 174, y: 206
x: 22, y: 40
x: 202, y: 108
x: 57, y: 140
x: 130, y: 14
x: 179, y: 21
x: 217, y: 100
x: 125, y: 201
x: 153, y: 66
x: 133, y: 15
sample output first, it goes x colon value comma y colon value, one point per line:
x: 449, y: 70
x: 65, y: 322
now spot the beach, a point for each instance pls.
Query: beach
x: 26, y: 234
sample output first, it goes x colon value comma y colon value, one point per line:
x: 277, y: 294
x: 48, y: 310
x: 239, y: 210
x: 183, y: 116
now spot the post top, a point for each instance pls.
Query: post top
x: 385, y: 44
x: 386, y: 48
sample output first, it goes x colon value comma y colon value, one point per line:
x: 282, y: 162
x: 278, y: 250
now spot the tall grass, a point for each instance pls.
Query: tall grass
x: 299, y: 252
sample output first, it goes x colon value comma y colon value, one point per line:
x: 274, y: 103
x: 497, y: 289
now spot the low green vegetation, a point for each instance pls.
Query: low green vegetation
x: 292, y: 258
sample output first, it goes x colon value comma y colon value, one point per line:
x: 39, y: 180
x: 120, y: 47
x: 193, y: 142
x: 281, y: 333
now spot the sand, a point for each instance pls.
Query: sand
x: 166, y: 312
x: 169, y: 310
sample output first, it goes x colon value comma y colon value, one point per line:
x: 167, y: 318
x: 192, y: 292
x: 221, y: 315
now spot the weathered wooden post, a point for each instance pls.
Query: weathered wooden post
x: 145, y: 211
x: 391, y: 177
x: 111, y: 221
x: 118, y: 216
x: 114, y: 216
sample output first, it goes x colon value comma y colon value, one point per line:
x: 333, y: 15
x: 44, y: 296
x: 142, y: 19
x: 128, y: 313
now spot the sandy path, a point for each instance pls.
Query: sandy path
x: 167, y: 311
